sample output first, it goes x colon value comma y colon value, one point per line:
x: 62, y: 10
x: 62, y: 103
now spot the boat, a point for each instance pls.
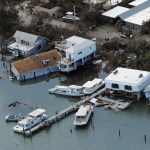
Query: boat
x: 31, y: 120
x: 83, y: 114
x: 91, y: 86
x: 72, y: 90
x: 13, y: 118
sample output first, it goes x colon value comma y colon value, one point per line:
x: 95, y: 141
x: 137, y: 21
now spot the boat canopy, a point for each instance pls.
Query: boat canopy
x: 83, y: 110
x: 75, y: 86
x: 92, y: 83
x: 37, y: 112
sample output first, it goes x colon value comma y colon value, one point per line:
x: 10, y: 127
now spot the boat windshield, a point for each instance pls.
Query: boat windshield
x: 80, y: 118
x: 20, y: 125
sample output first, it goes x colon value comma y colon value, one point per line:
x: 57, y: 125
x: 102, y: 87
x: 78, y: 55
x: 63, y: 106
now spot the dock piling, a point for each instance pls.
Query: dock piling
x: 119, y: 133
x: 145, y: 138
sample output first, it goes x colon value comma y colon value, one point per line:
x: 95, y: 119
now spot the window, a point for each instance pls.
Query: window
x: 79, y: 53
x: 115, y: 86
x: 128, y: 87
x: 39, y: 47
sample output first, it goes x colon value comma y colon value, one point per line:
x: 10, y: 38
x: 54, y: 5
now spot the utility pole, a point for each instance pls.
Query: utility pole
x: 74, y: 13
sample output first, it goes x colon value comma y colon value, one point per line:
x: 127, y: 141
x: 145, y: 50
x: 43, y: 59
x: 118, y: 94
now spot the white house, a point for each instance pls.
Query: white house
x: 75, y: 51
x: 129, y: 82
x: 26, y: 44
x: 36, y: 65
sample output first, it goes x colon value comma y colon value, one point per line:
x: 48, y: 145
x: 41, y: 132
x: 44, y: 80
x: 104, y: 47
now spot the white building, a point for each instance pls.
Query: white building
x: 129, y: 82
x: 36, y: 65
x: 26, y: 44
x: 136, y: 16
x: 75, y: 51
x: 115, y: 12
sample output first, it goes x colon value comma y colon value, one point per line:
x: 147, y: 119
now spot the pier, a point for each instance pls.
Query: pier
x: 60, y: 115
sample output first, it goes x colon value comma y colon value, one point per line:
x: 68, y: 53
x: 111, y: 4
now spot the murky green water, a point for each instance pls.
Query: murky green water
x: 100, y: 134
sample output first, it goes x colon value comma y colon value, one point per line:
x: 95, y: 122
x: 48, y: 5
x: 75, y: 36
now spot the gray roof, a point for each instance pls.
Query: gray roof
x: 26, y: 36
x: 135, y: 10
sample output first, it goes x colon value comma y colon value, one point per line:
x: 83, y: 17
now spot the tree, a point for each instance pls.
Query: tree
x: 146, y: 27
x: 9, y: 19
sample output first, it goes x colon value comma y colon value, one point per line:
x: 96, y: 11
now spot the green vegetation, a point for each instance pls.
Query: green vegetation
x: 146, y: 27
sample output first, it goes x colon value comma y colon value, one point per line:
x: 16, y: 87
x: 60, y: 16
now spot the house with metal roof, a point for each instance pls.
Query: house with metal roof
x: 136, y: 16
x: 113, y: 14
x: 26, y: 44
x: 75, y: 51
x: 137, y: 2
x: 35, y: 65
x: 128, y: 82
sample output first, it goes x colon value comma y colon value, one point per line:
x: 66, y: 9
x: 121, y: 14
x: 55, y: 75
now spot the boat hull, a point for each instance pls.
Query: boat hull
x: 92, y: 91
x: 64, y: 93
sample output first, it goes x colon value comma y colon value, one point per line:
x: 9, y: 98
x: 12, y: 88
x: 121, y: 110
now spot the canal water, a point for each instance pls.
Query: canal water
x: 102, y: 133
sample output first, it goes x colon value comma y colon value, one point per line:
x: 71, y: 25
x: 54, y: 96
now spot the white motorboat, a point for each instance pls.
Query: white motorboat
x: 34, y: 118
x: 83, y: 114
x: 91, y: 86
x: 72, y: 90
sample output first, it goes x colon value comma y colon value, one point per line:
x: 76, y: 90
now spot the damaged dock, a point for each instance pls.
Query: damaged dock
x: 60, y: 115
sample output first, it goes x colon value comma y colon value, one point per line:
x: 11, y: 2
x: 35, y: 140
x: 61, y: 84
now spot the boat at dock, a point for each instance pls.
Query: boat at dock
x: 33, y: 119
x: 72, y: 90
x: 92, y: 86
x: 83, y: 114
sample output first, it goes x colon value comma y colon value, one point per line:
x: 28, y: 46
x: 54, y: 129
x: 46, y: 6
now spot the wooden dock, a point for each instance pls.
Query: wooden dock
x: 58, y: 116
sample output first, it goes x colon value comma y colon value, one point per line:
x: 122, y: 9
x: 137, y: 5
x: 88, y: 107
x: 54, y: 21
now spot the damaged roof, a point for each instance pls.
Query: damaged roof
x: 42, y: 60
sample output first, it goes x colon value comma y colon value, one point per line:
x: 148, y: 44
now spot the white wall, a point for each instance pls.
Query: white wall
x: 38, y: 72
x: 135, y: 88
x: 85, y: 52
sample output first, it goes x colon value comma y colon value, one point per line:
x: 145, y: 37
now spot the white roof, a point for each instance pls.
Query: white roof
x: 37, y: 112
x: 137, y: 2
x: 20, y: 46
x: 69, y: 13
x: 76, y: 39
x: 83, y: 110
x: 97, y: 80
x: 79, y: 47
x: 108, y: 3
x: 90, y: 84
x: 61, y: 87
x: 31, y: 38
x: 115, y: 12
x: 75, y: 86
x: 127, y: 76
x: 137, y: 15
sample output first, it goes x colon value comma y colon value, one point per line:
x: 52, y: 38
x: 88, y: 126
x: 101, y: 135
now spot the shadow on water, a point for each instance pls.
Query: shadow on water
x: 39, y: 79
x: 80, y: 75
x: 19, y: 108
